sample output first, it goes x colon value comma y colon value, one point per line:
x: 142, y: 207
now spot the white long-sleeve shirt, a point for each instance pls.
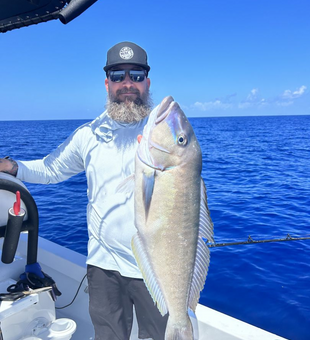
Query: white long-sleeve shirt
x: 106, y: 150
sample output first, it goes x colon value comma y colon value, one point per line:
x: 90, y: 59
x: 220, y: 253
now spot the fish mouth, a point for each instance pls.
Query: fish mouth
x: 162, y: 116
x: 164, y: 109
x: 144, y: 153
x: 163, y: 113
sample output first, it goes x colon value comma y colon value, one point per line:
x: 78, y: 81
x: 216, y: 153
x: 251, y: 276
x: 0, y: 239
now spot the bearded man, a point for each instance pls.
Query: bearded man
x: 105, y: 149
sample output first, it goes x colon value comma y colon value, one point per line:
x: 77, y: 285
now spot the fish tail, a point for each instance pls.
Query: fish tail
x: 175, y: 331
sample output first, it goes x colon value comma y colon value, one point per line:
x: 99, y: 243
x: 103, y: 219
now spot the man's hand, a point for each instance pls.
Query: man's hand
x: 9, y: 166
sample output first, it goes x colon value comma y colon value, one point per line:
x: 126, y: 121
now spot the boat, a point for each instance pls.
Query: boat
x: 22, y: 13
x: 38, y: 314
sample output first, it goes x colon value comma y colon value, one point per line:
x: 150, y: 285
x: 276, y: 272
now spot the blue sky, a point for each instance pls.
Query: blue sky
x: 216, y: 58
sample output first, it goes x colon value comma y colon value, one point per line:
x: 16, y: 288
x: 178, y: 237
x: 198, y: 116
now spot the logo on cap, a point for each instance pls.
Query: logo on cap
x: 126, y: 53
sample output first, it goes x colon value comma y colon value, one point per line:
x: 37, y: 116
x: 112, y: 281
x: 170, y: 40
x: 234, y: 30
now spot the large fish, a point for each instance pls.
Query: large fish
x: 171, y: 216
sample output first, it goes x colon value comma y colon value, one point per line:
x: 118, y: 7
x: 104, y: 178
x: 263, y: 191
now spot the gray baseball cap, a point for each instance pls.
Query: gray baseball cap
x: 126, y: 53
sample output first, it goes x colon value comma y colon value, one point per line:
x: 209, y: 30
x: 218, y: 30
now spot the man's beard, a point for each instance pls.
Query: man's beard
x: 129, y: 111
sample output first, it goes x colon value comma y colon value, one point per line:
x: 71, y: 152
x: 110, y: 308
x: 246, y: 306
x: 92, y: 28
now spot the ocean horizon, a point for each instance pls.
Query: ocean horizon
x: 190, y: 117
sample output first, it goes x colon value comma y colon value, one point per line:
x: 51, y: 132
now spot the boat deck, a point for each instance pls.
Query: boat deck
x: 68, y: 269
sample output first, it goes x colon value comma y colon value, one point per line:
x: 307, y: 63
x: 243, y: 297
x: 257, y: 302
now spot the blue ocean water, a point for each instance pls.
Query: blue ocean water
x: 256, y: 170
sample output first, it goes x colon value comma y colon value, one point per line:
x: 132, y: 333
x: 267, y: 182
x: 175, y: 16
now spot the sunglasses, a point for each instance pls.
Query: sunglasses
x: 137, y: 76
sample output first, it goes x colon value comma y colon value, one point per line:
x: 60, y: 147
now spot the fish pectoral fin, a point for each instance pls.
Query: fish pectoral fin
x: 149, y: 277
x: 127, y: 185
x: 147, y: 189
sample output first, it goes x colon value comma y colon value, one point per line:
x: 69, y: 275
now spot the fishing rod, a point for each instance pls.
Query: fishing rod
x: 250, y: 240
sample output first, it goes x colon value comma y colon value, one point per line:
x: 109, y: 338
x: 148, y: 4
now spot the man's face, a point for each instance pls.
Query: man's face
x: 128, y: 90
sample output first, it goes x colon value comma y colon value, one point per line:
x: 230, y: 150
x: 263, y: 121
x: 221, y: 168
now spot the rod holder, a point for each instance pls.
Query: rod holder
x: 31, y: 225
x: 11, y: 235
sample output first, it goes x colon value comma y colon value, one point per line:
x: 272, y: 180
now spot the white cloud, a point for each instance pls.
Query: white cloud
x: 288, y: 94
x: 207, y: 106
x: 252, y: 101
x: 253, y: 95
x: 244, y: 105
x: 284, y: 104
x: 263, y: 102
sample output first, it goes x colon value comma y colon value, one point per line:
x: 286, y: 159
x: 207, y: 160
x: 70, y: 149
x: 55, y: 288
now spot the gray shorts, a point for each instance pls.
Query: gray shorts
x: 111, y: 301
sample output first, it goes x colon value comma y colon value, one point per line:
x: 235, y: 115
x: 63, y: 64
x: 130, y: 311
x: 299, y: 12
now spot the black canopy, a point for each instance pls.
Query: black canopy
x: 20, y: 13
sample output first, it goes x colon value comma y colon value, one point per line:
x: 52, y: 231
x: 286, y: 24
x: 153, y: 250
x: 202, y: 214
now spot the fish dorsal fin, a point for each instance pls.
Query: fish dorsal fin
x: 202, y: 259
x: 205, y: 222
x: 150, y: 280
x: 148, y: 187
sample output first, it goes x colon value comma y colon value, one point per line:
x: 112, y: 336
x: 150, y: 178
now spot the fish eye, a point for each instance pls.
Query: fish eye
x: 182, y: 140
